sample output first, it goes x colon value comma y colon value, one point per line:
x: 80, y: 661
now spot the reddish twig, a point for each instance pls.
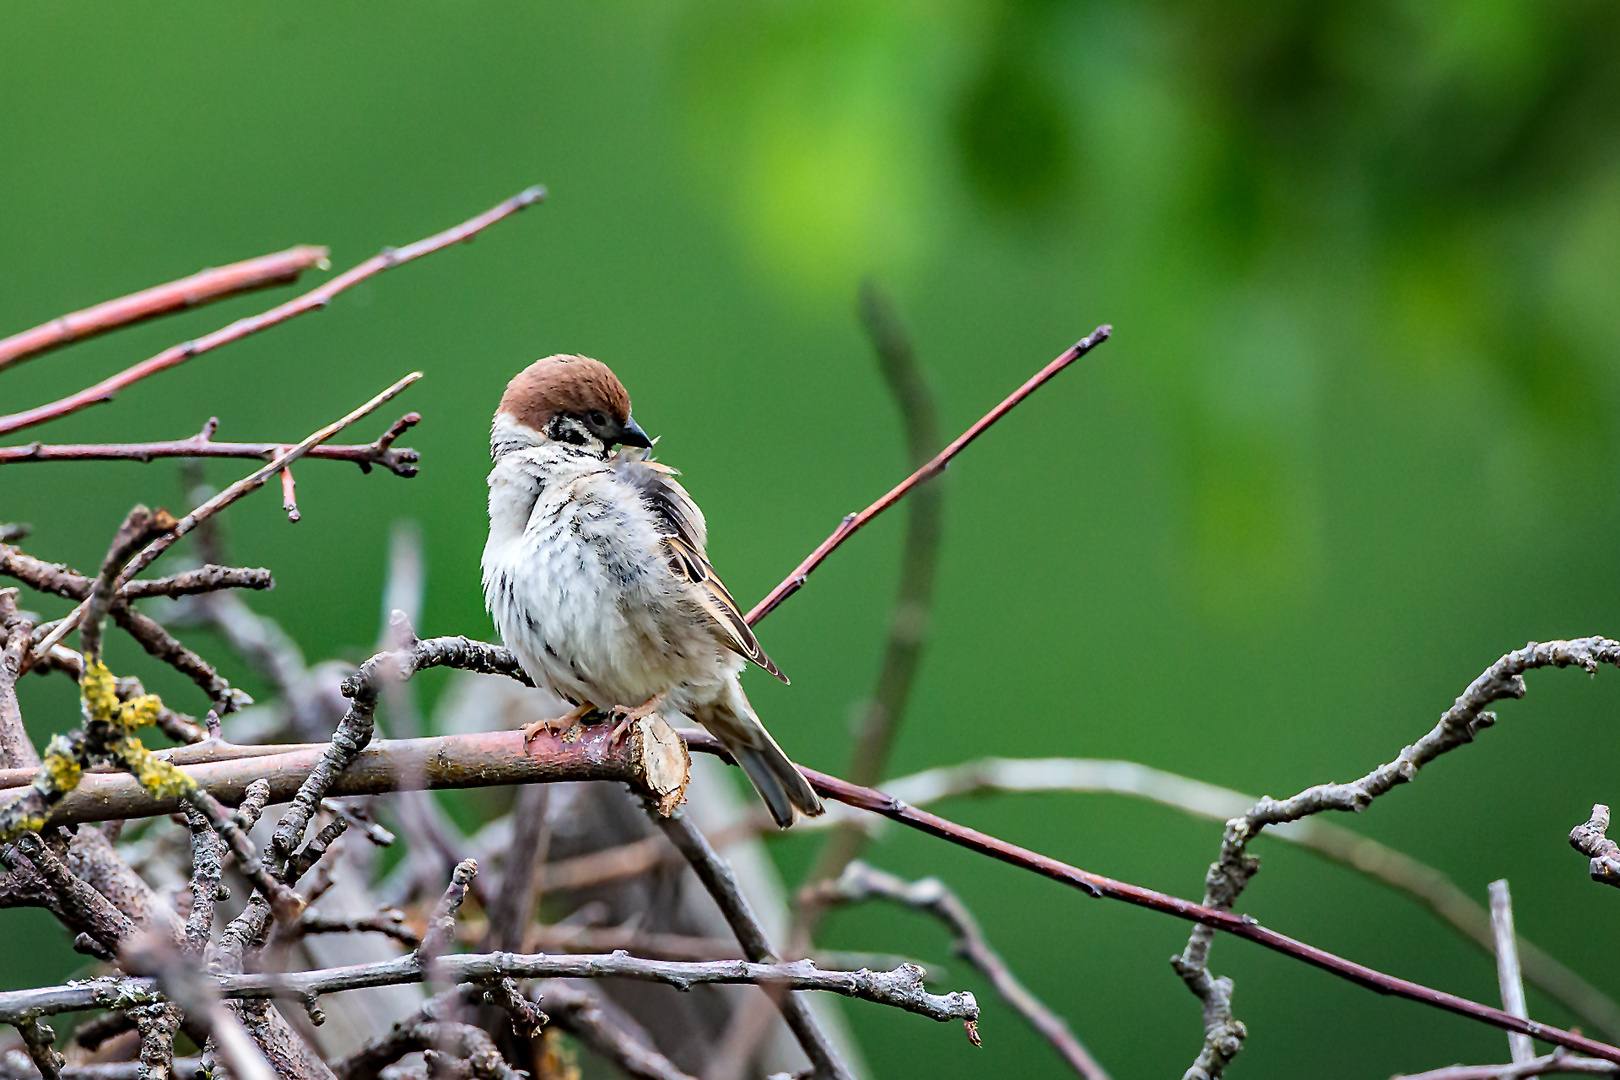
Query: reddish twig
x: 289, y: 497
x: 1241, y: 926
x: 402, y: 461
x: 847, y: 528
x: 241, y: 328
x: 203, y: 287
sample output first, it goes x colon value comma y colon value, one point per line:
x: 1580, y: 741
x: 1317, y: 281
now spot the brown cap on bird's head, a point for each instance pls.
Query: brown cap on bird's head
x: 570, y: 385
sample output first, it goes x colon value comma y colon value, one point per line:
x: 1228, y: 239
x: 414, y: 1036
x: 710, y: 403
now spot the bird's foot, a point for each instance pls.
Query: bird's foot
x: 568, y: 727
x: 630, y: 716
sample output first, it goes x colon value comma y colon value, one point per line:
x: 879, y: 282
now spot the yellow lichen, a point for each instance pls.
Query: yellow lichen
x: 157, y: 776
x: 59, y: 772
x: 139, y: 712
x: 100, y: 691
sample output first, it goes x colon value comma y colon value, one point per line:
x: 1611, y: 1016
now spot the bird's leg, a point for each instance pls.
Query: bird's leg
x: 630, y: 716
x: 564, y: 726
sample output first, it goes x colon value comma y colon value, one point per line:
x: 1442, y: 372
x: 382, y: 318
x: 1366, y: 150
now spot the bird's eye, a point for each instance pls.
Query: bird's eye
x: 597, y: 418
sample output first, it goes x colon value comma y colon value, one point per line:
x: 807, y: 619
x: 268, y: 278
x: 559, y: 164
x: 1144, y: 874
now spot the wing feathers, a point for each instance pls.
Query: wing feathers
x: 685, y: 536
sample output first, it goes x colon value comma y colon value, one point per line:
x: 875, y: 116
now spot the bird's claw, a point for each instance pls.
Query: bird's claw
x: 568, y: 727
x: 630, y: 716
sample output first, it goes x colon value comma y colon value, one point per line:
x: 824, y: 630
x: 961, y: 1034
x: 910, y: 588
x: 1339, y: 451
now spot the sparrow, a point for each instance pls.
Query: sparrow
x: 596, y: 577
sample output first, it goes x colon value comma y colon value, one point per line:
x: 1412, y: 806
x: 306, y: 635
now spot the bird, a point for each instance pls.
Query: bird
x: 597, y: 578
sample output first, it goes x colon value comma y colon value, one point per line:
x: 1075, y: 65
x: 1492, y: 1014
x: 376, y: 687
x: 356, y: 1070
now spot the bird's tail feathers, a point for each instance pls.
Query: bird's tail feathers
x: 778, y: 781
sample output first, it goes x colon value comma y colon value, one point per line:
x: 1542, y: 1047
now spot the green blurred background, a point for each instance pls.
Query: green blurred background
x: 1354, y: 438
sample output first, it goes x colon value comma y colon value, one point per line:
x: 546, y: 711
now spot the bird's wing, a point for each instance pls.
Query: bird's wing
x: 685, y: 536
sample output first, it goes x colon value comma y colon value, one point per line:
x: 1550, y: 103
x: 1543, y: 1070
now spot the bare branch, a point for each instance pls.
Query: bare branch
x: 16, y: 748
x: 851, y: 524
x: 861, y: 882
x: 313, y: 300
x: 400, y: 462
x: 1589, y: 839
x: 138, y: 528
x: 585, y: 1014
x: 1230, y: 874
x: 441, y: 928
x: 1507, y: 968
x: 880, y: 716
x: 1362, y: 854
x: 164, y: 646
x: 80, y: 906
x: 183, y: 1069
x: 41, y: 1043
x: 62, y: 581
x: 901, y: 988
x: 1558, y: 1063
x: 484, y: 759
x: 1096, y: 885
x: 718, y: 879
x: 247, y: 484
x: 203, y: 287
x: 390, y: 922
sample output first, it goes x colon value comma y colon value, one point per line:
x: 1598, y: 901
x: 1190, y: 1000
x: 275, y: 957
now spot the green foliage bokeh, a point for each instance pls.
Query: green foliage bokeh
x: 1353, y: 440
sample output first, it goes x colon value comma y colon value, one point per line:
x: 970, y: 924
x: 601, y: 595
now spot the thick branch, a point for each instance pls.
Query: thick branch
x: 203, y: 287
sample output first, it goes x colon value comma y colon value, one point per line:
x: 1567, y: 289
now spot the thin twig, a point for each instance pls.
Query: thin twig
x: 721, y: 884
x: 1231, y: 872
x: 903, y: 988
x: 40, y: 1041
x: 1589, y: 839
x: 1507, y: 968
x: 1362, y: 854
x: 851, y: 524
x: 189, y: 1068
x: 249, y: 483
x: 1096, y: 885
x: 401, y: 461
x: 313, y: 300
x: 390, y: 922
x: 1558, y: 1063
x: 879, y: 721
x: 63, y: 581
x: 585, y: 1014
x: 203, y: 287
x: 861, y: 882
x: 441, y: 927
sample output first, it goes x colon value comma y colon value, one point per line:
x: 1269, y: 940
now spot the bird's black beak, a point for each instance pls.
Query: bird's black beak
x: 632, y: 435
